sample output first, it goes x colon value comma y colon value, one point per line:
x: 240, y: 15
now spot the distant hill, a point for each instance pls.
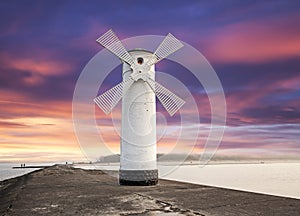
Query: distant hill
x: 109, y: 159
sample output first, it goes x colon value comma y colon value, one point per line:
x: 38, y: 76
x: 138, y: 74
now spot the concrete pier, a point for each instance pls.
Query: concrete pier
x: 63, y: 190
x: 30, y: 167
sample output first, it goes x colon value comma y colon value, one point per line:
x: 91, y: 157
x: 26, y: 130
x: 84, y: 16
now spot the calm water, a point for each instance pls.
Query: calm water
x: 7, y: 172
x: 281, y: 179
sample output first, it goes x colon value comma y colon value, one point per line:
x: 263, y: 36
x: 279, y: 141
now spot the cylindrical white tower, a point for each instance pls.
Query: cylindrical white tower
x: 138, y: 137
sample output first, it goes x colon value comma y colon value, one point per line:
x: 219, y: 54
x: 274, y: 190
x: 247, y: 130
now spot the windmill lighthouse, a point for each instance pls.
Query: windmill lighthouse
x: 137, y: 91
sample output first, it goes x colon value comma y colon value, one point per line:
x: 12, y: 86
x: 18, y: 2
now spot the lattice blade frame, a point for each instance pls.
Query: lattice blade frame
x: 169, y: 45
x: 169, y: 100
x: 110, y: 41
x: 109, y: 99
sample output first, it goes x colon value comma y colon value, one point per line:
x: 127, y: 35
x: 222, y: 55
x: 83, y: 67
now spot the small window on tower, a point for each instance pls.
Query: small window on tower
x: 140, y: 61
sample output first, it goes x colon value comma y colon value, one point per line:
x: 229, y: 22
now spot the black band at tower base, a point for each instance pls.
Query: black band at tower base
x: 138, y: 177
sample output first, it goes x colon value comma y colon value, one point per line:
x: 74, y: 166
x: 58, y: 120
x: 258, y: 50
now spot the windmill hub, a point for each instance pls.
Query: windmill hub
x: 140, y: 60
x: 141, y: 70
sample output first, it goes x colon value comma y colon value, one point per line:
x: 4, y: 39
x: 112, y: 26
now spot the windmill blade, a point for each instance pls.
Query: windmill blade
x: 110, y: 41
x: 169, y: 45
x: 169, y: 100
x: 109, y: 99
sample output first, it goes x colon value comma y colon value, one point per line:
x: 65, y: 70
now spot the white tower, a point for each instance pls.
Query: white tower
x: 138, y: 90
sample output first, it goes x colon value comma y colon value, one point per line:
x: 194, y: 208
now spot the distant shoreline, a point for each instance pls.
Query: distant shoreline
x: 198, y: 163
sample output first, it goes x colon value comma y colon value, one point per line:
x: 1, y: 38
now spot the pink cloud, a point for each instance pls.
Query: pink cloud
x: 19, y: 105
x: 290, y: 83
x: 38, y: 67
x: 255, y: 42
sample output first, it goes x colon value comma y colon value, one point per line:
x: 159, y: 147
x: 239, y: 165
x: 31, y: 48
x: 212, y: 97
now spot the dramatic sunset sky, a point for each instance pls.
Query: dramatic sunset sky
x: 254, y: 47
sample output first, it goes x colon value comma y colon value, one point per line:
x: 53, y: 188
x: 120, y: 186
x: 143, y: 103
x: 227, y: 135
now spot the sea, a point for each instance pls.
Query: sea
x: 7, y: 171
x: 278, y: 178
x: 272, y: 178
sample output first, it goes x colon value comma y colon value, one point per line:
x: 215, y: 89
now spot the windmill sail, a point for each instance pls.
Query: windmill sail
x: 110, y: 41
x: 109, y: 99
x: 169, y: 100
x: 169, y: 45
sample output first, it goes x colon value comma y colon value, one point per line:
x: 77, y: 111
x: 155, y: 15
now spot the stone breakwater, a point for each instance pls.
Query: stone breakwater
x: 64, y: 190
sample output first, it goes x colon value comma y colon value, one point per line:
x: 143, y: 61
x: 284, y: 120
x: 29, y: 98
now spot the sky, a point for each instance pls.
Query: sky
x: 253, y: 46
